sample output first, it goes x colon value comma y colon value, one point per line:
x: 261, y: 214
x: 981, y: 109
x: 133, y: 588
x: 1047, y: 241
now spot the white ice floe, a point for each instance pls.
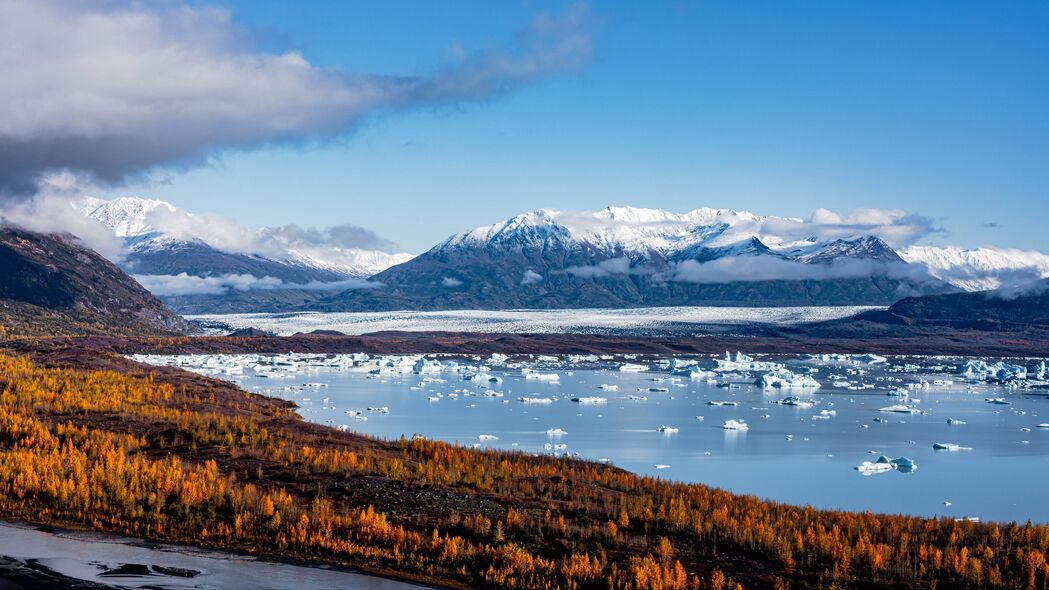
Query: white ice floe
x: 667, y: 429
x: 884, y: 464
x: 545, y: 377
x: 589, y: 400
x: 742, y: 362
x: 950, y: 447
x: 735, y: 425
x: 900, y: 409
x: 979, y: 370
x: 787, y: 379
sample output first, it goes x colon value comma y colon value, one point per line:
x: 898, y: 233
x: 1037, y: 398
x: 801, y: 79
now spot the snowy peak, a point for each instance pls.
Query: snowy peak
x: 980, y: 269
x: 640, y: 233
x: 161, y: 239
x: 126, y: 216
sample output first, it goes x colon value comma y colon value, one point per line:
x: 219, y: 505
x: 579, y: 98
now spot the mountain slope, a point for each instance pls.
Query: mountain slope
x: 987, y: 310
x: 50, y: 284
x: 627, y: 257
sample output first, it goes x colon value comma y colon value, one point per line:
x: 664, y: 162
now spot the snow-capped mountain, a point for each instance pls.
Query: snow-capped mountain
x: 625, y: 256
x: 980, y: 269
x: 201, y: 262
x: 150, y: 226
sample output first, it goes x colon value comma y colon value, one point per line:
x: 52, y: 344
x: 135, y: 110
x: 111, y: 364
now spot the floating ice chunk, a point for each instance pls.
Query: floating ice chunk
x: 637, y: 398
x: 735, y: 425
x: 608, y: 387
x: 722, y: 403
x: 899, y: 392
x: 950, y: 447
x: 1044, y: 425
x: 556, y: 432
x: 661, y: 466
x: 487, y: 437
x: 590, y: 400
x: 998, y: 401
x: 379, y: 409
x: 535, y: 400
x: 1002, y: 372
x: 872, y: 467
x: 667, y: 429
x: 742, y: 362
x: 955, y: 421
x: 787, y: 379
x: 796, y: 402
x: 632, y: 368
x: 900, y: 409
x: 545, y: 377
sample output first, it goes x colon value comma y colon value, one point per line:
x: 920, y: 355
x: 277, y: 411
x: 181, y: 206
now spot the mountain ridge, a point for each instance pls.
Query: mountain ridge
x: 50, y: 284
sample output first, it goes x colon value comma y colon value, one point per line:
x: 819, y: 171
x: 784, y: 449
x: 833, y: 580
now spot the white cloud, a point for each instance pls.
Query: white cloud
x: 185, y: 284
x: 770, y: 268
x: 530, y: 277
x: 116, y: 88
x: 49, y: 212
x: 612, y: 266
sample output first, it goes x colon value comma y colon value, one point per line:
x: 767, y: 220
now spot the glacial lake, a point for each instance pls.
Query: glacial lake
x: 794, y: 454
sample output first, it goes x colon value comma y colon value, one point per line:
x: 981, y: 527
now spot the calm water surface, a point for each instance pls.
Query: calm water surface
x: 786, y: 455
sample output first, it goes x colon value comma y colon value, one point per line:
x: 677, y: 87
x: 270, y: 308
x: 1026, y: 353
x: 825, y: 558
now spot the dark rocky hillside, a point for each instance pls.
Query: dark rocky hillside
x: 987, y: 310
x: 51, y: 284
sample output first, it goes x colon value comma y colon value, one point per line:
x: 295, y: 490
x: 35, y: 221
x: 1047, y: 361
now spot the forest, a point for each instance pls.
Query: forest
x: 94, y: 441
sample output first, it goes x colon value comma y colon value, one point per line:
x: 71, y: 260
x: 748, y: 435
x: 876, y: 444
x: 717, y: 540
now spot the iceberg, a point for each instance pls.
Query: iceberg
x: 796, y: 402
x: 872, y: 467
x: 545, y: 377
x: 883, y: 464
x: 742, y: 362
x: 900, y: 409
x: 950, y: 447
x: 978, y: 370
x: 632, y: 368
x: 590, y: 400
x: 784, y: 378
x: 735, y: 425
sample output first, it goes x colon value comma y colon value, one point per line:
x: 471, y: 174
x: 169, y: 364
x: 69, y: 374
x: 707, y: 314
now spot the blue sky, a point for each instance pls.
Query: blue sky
x: 939, y: 108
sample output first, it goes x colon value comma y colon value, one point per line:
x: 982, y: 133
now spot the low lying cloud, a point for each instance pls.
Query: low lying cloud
x: 50, y: 212
x: 612, y: 266
x: 1030, y: 288
x: 530, y: 277
x: 338, y: 236
x: 117, y: 88
x: 186, y: 284
x: 769, y: 268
